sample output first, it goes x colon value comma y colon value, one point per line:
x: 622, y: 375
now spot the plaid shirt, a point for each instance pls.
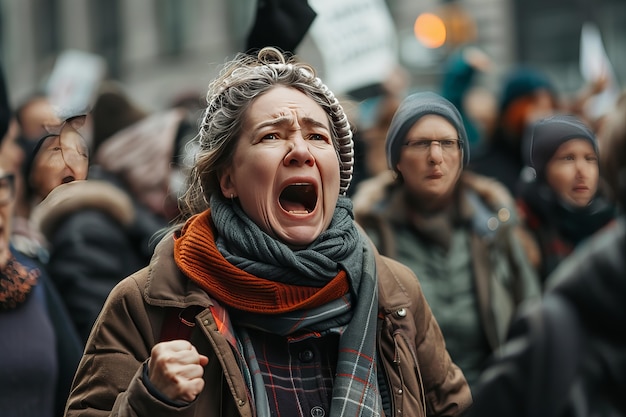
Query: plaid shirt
x: 298, y: 372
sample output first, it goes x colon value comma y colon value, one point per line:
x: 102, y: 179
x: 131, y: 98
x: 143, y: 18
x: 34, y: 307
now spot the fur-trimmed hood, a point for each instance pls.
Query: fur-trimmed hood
x: 373, y: 191
x: 75, y: 196
x: 380, y: 197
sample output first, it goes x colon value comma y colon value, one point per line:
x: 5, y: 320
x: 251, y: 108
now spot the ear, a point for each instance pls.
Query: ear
x: 229, y: 190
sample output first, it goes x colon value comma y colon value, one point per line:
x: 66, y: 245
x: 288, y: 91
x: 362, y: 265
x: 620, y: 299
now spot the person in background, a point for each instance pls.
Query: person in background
x: 101, y: 230
x: 268, y: 300
x: 560, y: 197
x: 40, y: 349
x: 145, y: 153
x: 527, y: 95
x: 33, y: 114
x: 374, y: 131
x: 475, y: 103
x: 375, y: 106
x: 59, y: 157
x: 566, y: 355
x: 457, y: 231
x: 85, y: 222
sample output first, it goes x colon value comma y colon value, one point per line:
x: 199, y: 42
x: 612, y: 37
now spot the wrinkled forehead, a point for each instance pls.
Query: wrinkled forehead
x: 283, y: 105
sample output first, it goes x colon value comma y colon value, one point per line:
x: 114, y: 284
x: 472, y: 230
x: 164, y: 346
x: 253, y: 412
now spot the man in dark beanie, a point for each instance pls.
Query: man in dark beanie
x: 412, y: 109
x: 560, y: 192
x: 456, y: 230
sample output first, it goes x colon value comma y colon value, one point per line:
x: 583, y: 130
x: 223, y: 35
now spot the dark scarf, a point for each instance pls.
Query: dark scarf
x: 560, y: 226
x: 294, y: 278
x: 16, y: 283
x: 573, y: 223
x: 434, y: 226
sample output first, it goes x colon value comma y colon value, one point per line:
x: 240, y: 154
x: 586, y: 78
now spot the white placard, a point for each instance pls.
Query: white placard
x: 357, y: 40
x: 595, y: 63
x: 74, y: 81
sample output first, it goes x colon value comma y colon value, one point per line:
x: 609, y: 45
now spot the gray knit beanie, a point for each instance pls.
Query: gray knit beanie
x: 410, y: 111
x: 544, y: 137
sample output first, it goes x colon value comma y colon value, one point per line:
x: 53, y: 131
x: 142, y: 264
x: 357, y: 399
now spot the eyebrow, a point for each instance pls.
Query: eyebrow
x: 307, y: 121
x: 420, y: 138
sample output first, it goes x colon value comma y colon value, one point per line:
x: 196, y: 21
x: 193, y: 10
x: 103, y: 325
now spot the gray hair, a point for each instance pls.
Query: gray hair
x: 242, y: 80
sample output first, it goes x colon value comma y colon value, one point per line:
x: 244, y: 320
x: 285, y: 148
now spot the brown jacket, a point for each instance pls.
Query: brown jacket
x: 422, y: 378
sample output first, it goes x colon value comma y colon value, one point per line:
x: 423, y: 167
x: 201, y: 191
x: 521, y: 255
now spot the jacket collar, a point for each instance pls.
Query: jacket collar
x: 166, y: 285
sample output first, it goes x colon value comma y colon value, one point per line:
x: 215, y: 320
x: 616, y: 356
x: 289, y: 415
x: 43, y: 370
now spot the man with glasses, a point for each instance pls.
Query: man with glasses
x: 457, y: 231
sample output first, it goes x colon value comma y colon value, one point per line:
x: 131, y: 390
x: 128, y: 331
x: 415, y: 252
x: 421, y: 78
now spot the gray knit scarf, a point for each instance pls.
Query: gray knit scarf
x: 341, y: 246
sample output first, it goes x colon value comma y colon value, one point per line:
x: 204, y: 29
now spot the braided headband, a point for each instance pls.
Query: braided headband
x: 341, y: 125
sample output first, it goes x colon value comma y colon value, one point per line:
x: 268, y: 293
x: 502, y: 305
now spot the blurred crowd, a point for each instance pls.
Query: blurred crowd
x: 85, y: 198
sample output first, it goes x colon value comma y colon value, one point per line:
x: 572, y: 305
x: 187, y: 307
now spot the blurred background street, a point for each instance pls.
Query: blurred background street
x: 162, y: 49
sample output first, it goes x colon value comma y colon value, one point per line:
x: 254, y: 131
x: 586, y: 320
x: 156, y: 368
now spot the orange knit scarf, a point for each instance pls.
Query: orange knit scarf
x: 196, y: 254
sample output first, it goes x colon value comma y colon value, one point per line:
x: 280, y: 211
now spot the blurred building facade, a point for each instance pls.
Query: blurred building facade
x: 159, y: 48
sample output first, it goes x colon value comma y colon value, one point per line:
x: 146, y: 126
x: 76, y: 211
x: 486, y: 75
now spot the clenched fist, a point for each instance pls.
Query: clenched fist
x: 176, y: 370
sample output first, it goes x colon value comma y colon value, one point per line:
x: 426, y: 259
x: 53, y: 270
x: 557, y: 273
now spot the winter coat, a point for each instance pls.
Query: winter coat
x: 422, y: 378
x: 93, y: 241
x: 40, y: 351
x: 566, y: 356
x: 501, y: 276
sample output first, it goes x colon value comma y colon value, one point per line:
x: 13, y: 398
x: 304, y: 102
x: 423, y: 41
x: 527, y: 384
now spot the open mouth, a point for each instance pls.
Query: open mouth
x: 298, y: 198
x: 67, y: 179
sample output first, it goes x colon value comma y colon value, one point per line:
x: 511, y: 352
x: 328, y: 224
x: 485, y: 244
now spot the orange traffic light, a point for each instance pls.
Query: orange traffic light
x: 430, y: 30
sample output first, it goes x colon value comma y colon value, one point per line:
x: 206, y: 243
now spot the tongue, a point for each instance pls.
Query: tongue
x: 293, y: 206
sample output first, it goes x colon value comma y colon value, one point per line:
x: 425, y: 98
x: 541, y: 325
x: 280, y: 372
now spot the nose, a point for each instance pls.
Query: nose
x: 299, y: 153
x: 582, y: 170
x: 435, y: 153
x: 75, y: 162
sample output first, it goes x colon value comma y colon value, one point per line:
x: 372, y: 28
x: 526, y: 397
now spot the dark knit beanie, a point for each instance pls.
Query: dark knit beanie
x: 410, y: 111
x: 544, y: 137
x: 521, y: 82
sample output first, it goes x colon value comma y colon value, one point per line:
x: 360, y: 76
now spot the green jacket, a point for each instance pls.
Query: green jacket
x: 494, y: 273
x: 422, y: 378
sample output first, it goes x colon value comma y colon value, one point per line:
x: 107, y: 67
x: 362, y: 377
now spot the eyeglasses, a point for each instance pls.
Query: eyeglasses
x: 7, y: 189
x: 74, y: 123
x: 423, y: 145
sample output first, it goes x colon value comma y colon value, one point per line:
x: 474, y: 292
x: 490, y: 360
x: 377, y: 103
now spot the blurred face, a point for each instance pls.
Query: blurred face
x: 63, y: 157
x: 573, y: 172
x: 12, y: 158
x: 10, y: 151
x: 7, y: 201
x: 542, y: 106
x: 430, y: 160
x: 285, y: 170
